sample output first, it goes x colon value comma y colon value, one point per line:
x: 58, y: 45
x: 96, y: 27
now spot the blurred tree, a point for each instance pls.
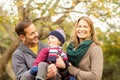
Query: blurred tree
x: 111, y: 48
x: 112, y: 56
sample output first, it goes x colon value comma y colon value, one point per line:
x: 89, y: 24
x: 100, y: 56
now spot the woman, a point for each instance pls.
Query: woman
x: 84, y: 52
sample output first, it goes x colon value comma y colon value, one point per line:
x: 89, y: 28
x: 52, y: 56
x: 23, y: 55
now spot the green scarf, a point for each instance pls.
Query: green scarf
x: 75, y: 55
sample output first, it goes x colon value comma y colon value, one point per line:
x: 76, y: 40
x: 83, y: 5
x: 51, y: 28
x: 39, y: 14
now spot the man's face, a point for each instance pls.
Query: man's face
x: 31, y: 36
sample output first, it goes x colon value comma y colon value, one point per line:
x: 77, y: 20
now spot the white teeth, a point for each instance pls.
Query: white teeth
x: 81, y: 32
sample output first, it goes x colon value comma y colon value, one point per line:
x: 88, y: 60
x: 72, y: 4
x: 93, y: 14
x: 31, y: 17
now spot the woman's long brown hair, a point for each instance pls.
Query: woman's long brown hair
x: 93, y: 36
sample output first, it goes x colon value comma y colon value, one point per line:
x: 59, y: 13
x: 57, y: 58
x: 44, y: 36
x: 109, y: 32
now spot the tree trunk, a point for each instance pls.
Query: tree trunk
x: 7, y: 55
x: 9, y: 71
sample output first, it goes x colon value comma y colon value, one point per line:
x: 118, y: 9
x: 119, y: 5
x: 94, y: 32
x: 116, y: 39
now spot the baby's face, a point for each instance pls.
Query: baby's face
x: 53, y: 41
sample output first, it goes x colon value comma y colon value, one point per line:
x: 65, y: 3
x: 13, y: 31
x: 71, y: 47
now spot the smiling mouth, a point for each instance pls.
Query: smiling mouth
x: 81, y: 33
x: 35, y: 39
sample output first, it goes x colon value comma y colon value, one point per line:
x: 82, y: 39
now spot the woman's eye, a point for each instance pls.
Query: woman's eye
x: 79, y: 26
x: 86, y: 26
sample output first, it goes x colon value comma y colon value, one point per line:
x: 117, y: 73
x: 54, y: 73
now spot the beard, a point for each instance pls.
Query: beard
x: 31, y: 42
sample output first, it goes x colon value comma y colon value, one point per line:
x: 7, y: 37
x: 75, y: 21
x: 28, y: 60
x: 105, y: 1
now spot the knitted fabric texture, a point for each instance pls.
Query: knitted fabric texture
x: 59, y: 34
x: 75, y: 55
x: 53, y: 54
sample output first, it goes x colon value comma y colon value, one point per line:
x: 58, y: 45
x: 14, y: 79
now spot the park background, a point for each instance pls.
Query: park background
x: 50, y: 14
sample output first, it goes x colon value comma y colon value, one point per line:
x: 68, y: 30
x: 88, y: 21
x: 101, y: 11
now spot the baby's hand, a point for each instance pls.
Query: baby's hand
x: 34, y: 70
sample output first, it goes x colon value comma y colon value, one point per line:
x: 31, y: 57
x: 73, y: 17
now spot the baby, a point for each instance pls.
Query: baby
x: 49, y: 55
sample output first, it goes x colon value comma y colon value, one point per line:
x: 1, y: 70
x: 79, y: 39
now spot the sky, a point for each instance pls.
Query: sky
x: 74, y: 16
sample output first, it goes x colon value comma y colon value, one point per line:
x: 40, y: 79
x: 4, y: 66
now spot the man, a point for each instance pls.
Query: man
x: 25, y: 54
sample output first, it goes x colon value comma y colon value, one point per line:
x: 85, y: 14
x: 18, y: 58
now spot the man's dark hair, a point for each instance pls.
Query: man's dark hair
x: 21, y: 26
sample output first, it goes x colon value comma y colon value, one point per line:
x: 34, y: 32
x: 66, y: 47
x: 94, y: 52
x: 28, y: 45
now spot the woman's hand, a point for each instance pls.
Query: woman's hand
x: 52, y: 71
x: 60, y: 63
x: 73, y: 70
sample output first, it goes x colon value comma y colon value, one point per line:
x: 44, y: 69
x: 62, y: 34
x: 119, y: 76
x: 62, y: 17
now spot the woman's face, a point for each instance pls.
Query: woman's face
x: 83, y: 30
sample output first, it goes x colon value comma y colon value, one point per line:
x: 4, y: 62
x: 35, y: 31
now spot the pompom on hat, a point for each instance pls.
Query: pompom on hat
x: 59, y: 34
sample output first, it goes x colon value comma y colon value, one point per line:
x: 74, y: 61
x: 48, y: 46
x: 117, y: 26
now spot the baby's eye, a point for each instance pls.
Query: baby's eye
x: 52, y: 37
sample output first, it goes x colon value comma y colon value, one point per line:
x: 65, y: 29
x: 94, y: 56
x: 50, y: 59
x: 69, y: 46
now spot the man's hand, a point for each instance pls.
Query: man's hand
x: 52, y: 71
